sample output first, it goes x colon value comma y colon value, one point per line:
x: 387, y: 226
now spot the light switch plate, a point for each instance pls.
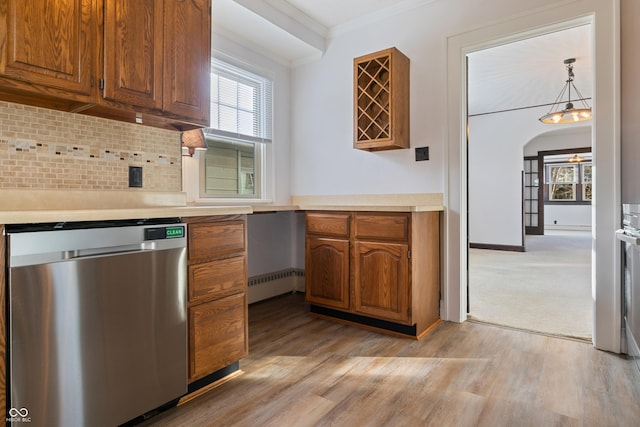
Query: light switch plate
x: 422, y: 153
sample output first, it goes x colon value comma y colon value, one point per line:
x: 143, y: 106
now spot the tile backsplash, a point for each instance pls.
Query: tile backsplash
x: 47, y: 149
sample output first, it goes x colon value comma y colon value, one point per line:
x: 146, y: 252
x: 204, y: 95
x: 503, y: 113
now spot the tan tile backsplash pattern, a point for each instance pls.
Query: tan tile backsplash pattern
x: 47, y: 149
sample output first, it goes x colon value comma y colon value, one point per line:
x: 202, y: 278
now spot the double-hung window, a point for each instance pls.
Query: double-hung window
x: 568, y: 182
x: 587, y: 181
x: 241, y: 122
x: 562, y: 179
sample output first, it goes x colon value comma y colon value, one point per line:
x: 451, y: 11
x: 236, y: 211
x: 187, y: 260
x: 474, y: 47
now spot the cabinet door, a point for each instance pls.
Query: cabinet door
x: 217, y: 334
x: 47, y: 46
x: 327, y: 272
x: 187, y: 62
x: 381, y: 280
x: 133, y: 52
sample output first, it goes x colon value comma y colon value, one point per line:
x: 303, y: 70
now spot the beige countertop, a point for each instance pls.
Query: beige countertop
x: 415, y: 202
x: 33, y: 206
x: 35, y: 216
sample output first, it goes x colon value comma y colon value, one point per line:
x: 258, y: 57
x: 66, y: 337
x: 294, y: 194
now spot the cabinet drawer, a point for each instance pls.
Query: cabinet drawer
x: 217, y: 334
x: 210, y: 240
x: 328, y: 224
x: 221, y: 276
x: 383, y: 226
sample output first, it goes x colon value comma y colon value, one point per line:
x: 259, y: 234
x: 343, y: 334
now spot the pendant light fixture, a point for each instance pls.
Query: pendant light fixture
x: 569, y: 114
x: 193, y: 140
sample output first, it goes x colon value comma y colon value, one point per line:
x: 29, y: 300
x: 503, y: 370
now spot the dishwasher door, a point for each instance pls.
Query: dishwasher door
x: 98, y: 335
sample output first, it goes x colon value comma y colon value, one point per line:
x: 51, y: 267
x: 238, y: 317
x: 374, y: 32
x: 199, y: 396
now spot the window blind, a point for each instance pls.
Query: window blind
x: 241, y: 104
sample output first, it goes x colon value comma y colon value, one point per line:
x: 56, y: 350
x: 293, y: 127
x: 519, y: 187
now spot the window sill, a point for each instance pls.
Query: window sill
x: 229, y: 202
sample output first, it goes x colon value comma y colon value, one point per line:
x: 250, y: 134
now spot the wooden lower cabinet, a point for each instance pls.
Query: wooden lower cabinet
x: 379, y: 270
x: 381, y: 281
x: 217, y: 334
x: 217, y: 292
x: 327, y: 269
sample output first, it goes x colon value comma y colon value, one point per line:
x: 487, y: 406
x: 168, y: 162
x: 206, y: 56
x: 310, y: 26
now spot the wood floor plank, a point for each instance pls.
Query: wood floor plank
x: 303, y: 371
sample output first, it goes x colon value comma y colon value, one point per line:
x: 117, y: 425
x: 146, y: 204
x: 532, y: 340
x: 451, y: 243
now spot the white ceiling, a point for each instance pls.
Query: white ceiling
x: 515, y: 75
x: 335, y: 13
x: 529, y: 72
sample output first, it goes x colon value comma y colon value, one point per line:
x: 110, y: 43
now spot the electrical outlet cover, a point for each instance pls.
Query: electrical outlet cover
x: 135, y: 176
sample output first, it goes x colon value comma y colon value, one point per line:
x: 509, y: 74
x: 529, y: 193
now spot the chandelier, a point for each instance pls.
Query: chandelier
x: 568, y: 114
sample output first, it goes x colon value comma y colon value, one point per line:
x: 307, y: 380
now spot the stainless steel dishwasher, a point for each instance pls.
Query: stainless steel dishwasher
x: 97, y: 321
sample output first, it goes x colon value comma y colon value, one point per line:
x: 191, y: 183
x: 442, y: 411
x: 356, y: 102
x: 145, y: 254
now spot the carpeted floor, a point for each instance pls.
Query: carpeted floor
x: 545, y: 289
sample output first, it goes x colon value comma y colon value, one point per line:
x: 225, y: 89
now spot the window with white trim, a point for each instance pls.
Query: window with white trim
x: 587, y: 181
x: 568, y: 182
x: 241, y: 122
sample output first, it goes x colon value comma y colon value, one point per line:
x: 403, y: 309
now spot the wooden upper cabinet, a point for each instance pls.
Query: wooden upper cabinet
x: 48, y: 47
x: 187, y: 62
x: 120, y: 59
x: 381, y: 101
x: 133, y: 34
x: 157, y: 55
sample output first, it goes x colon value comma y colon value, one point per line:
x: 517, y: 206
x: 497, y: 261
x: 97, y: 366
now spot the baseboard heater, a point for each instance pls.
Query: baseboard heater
x: 364, y: 320
x: 276, y: 283
x: 277, y: 275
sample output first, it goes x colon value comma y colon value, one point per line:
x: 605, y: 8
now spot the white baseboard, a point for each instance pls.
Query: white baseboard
x: 567, y: 227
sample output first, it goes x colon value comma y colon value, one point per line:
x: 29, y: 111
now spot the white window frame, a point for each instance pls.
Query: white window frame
x: 573, y: 183
x: 579, y: 183
x: 193, y: 168
x: 584, y: 182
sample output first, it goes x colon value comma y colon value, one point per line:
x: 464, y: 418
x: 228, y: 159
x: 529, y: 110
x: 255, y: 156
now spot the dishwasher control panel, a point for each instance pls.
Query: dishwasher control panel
x: 166, y: 232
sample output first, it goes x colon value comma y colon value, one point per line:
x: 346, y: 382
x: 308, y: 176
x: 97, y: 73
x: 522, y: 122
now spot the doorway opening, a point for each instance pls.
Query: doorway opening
x: 606, y: 258
x: 523, y: 272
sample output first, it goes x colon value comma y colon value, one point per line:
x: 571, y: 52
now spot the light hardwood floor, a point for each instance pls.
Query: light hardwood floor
x: 303, y: 371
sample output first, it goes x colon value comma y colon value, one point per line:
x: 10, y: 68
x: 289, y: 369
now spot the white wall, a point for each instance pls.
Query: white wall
x: 271, y: 242
x: 569, y: 216
x: 298, y: 233
x: 324, y: 161
x: 496, y: 150
x: 276, y: 242
x: 560, y: 138
x: 323, y: 158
